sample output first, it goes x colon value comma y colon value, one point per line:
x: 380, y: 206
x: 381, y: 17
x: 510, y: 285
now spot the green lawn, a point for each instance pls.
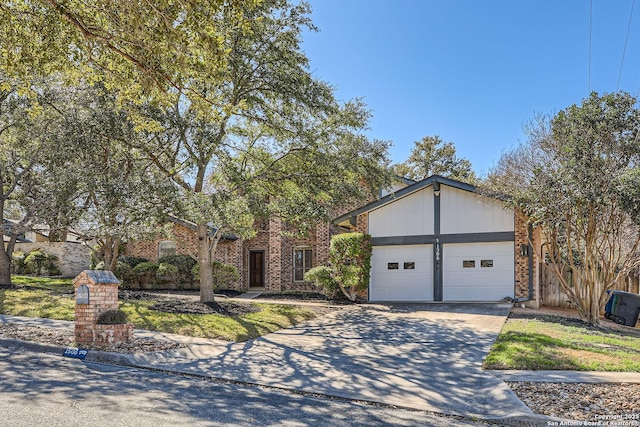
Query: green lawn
x: 53, y: 298
x: 556, y: 343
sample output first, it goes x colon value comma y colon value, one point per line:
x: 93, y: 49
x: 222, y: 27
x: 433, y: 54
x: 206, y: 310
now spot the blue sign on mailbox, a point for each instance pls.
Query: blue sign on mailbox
x: 82, y: 295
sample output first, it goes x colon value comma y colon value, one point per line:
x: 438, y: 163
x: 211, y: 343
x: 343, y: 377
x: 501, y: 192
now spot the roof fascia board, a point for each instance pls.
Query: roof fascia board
x: 403, y: 192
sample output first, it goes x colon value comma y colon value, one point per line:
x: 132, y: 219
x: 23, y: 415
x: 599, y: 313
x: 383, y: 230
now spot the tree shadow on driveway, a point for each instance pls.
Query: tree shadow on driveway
x: 423, y: 356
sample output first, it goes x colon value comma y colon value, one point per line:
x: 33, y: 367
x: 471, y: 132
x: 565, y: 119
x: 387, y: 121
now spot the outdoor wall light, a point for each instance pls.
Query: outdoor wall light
x: 524, y: 250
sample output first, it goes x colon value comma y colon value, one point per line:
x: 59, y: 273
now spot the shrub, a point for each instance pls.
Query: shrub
x: 349, y: 265
x: 185, y: 265
x: 40, y: 263
x: 145, y: 273
x: 223, y: 274
x: 124, y: 272
x: 321, y: 276
x: 167, y: 273
x: 99, y: 266
x: 112, y: 317
x: 132, y: 261
x: 17, y: 263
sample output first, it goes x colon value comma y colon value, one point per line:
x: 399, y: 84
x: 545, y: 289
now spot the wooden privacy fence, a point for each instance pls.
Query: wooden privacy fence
x: 552, y: 295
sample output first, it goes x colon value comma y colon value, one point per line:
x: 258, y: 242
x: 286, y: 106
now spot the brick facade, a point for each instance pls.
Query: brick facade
x: 272, y: 238
x: 522, y: 273
x: 186, y: 243
x: 186, y: 240
x: 278, y: 251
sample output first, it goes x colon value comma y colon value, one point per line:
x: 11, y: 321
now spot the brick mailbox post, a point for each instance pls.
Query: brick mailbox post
x: 96, y: 292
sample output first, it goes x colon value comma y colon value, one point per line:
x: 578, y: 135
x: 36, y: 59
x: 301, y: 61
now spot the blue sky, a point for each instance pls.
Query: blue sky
x: 472, y: 71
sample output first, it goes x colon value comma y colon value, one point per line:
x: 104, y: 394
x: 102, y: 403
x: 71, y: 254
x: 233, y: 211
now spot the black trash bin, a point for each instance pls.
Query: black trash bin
x: 623, y: 308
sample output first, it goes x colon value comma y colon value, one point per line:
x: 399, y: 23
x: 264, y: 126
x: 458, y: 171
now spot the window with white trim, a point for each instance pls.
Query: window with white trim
x: 302, y: 262
x: 166, y: 248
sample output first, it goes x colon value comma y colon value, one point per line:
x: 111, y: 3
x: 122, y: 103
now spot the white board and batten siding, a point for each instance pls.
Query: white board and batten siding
x: 465, y: 212
x: 471, y: 270
x: 407, y: 216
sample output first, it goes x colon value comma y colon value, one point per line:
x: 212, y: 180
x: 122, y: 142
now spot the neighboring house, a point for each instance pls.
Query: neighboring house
x: 439, y: 240
x: 73, y: 254
x: 7, y: 228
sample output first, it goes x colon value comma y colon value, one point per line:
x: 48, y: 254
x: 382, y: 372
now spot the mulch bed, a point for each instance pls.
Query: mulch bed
x: 310, y: 296
x: 568, y: 317
x: 139, y: 295
x: 192, y: 307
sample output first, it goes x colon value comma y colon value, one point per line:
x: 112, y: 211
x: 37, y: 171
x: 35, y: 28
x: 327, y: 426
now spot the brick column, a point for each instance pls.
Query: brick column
x: 523, y: 275
x: 273, y: 280
x: 103, y: 296
x: 323, y: 241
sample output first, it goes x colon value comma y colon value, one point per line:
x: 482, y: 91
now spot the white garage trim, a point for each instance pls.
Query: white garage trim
x: 478, y: 271
x: 402, y: 273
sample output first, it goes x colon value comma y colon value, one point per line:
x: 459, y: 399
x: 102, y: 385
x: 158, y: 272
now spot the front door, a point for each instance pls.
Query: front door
x: 256, y: 269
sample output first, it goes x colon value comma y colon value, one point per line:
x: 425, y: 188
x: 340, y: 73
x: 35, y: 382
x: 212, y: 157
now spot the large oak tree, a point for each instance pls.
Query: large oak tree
x: 276, y: 144
x: 222, y: 89
x: 143, y: 50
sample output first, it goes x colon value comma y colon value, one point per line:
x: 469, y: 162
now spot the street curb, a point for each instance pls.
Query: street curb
x: 14, y: 343
x: 98, y: 356
x: 567, y: 377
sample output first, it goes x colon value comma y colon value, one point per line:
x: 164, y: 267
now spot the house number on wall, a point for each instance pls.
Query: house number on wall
x: 437, y: 251
x: 82, y: 296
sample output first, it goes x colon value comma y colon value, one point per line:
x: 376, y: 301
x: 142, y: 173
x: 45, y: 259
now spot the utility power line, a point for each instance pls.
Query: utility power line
x: 626, y: 40
x: 590, y: 36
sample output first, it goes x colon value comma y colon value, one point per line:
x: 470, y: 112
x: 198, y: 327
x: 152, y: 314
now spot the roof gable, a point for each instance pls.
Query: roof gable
x: 433, y: 180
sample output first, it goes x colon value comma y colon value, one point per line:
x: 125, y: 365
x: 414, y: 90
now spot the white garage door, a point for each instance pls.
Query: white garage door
x: 402, y: 273
x: 478, y: 271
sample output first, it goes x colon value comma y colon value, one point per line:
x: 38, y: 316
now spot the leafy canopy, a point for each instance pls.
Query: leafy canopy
x: 143, y: 50
x: 432, y: 156
x: 577, y: 181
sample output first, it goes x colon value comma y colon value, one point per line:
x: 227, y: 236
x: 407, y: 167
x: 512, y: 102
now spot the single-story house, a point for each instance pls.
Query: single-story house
x: 433, y: 240
x: 440, y: 240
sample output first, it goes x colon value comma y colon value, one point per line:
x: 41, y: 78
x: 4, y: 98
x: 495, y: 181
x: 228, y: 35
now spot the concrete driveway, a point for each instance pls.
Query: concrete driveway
x: 423, y: 356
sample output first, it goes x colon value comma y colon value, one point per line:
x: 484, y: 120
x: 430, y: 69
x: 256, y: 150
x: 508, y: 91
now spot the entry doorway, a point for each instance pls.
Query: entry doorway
x: 256, y: 269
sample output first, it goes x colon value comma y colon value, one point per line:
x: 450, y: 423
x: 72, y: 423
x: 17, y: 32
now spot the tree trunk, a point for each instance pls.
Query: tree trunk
x: 5, y: 267
x: 115, y: 253
x: 206, y: 267
x: 107, y: 250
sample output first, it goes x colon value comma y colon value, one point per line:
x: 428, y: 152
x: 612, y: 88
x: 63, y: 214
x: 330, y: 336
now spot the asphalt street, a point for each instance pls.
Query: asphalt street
x: 48, y: 390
